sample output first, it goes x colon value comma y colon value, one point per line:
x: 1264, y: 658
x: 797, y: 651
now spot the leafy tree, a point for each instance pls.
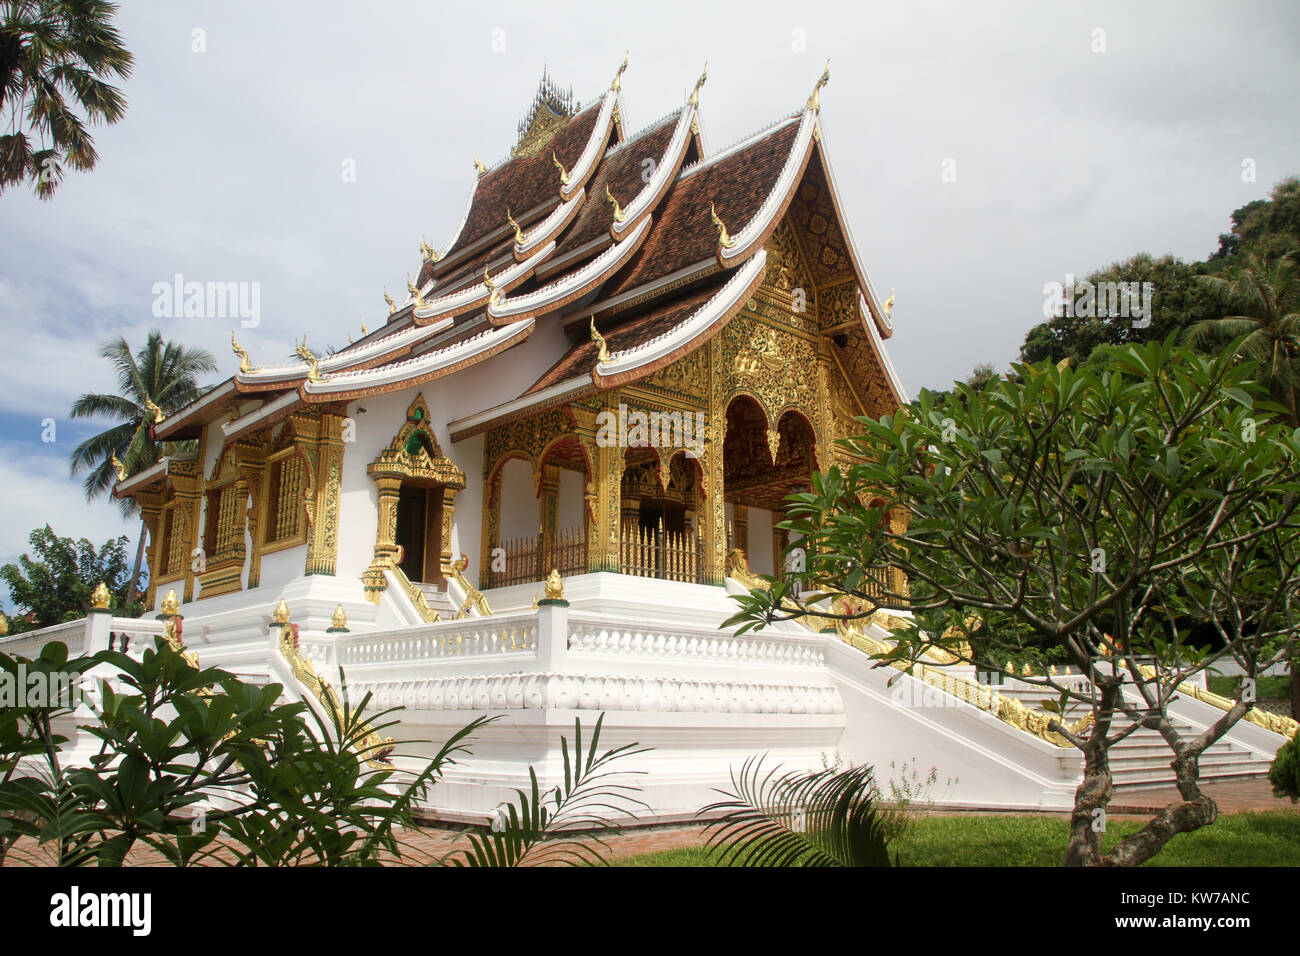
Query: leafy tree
x: 1079, y: 517
x: 1267, y: 228
x: 56, y: 58
x: 56, y: 584
x: 1284, y: 774
x: 162, y: 373
x: 1264, y: 301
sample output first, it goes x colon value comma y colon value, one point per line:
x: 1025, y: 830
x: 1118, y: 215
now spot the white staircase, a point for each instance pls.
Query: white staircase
x: 439, y: 600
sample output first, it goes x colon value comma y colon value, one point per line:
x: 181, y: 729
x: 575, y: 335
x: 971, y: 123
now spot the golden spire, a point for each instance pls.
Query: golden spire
x: 554, y: 586
x: 245, y: 365
x: 494, y: 294
x: 599, y: 339
x: 171, y: 603
x: 564, y: 176
x: 618, y: 77
x: 364, y: 331
x: 100, y: 597
x: 815, y: 101
x: 281, y: 615
x: 889, y: 303
x: 618, y: 210
x: 308, y: 356
x: 695, y: 93
x: 154, y: 410
x: 392, y: 306
x: 479, y: 167
x: 724, y: 240
x: 117, y: 466
x: 415, y: 293
x: 340, y: 618
x: 519, y: 233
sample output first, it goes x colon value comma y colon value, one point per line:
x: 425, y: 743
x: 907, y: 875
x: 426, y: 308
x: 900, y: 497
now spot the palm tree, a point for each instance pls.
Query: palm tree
x: 55, y: 56
x: 1264, y: 299
x: 161, y: 373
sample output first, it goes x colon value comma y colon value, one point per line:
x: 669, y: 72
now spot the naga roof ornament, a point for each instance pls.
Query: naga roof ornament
x: 695, y: 93
x: 889, y: 304
x: 308, y: 356
x: 392, y: 306
x: 479, y: 167
x: 427, y: 252
x: 364, y: 331
x: 117, y: 466
x: 724, y: 240
x: 494, y: 294
x: 601, y: 344
x: 153, y: 410
x: 245, y: 365
x: 415, y: 292
x: 617, y: 85
x: 619, y: 215
x: 815, y: 101
x: 564, y: 175
x: 519, y: 233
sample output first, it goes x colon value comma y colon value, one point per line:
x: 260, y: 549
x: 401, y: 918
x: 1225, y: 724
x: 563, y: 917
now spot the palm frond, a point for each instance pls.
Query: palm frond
x: 823, y: 818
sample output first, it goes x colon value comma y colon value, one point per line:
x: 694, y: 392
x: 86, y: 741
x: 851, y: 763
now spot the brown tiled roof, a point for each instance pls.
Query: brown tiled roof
x: 622, y: 173
x: 524, y: 182
x: 683, y: 233
x: 662, y: 316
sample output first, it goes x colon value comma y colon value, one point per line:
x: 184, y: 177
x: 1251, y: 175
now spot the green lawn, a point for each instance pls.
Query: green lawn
x: 1266, y: 688
x: 1270, y: 838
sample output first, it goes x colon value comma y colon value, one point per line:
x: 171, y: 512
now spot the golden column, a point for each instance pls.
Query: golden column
x: 389, y: 485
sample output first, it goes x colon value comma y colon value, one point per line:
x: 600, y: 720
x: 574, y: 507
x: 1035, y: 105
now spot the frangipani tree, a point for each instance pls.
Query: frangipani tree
x: 1063, y: 516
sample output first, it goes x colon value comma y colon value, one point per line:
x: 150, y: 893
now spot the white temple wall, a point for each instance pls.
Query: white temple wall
x: 521, y: 511
x: 570, y: 513
x: 502, y: 378
x: 467, y: 523
x: 281, y: 567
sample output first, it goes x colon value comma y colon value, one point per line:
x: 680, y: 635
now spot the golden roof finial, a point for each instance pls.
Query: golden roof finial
x: 889, y: 303
x: 364, y: 331
x: 724, y: 240
x: 815, y: 101
x: 519, y: 233
x: 695, y: 93
x: 426, y: 251
x: 554, y: 586
x: 619, y: 215
x: 99, y: 598
x: 599, y: 339
x: 618, y: 77
x: 340, y: 618
x: 4, y: 625
x: 308, y: 356
x: 479, y: 167
x: 245, y: 365
x: 281, y: 614
x: 564, y: 175
x: 415, y: 293
x: 117, y: 466
x: 494, y: 294
x: 171, y: 603
x: 392, y: 306
x: 153, y: 410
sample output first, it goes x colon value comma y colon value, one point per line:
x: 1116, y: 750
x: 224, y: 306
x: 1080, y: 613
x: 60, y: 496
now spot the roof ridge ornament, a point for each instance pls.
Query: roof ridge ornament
x: 392, y: 306
x: 479, y: 167
x: 619, y: 215
x: 117, y: 466
x: 364, y: 331
x: 814, y: 103
x: 245, y: 365
x: 153, y: 410
x: 617, y: 85
x: 724, y: 240
x: 695, y: 93
x: 519, y: 233
x: 494, y: 294
x: 427, y: 252
x: 415, y: 293
x: 564, y: 175
x: 889, y: 304
x: 308, y: 356
x: 604, y: 357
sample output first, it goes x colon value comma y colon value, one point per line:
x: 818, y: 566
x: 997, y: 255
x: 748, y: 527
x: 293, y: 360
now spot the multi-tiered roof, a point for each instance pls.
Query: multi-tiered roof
x: 644, y: 236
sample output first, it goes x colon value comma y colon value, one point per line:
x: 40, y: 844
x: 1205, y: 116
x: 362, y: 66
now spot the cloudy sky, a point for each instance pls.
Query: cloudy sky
x: 307, y: 147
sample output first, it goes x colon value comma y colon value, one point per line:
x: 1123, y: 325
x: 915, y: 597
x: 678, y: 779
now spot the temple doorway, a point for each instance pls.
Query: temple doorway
x: 419, y: 532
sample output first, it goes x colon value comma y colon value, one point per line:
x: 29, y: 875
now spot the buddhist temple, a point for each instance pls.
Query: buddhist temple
x: 531, y: 489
